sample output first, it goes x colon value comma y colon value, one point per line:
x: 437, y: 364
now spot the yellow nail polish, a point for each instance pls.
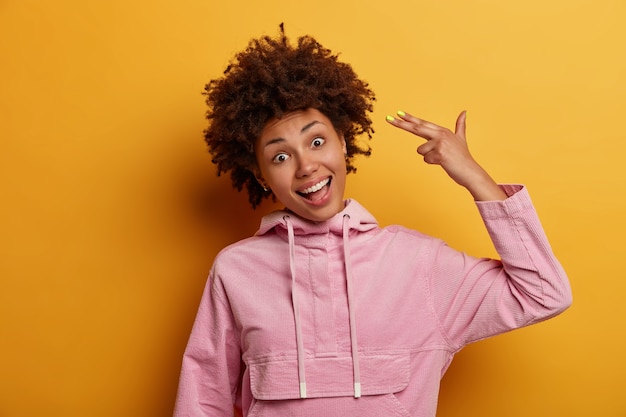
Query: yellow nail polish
x: 401, y: 113
x: 390, y: 118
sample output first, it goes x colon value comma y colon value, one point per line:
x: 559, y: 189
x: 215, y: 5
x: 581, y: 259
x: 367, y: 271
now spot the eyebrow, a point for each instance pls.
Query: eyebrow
x: 303, y: 130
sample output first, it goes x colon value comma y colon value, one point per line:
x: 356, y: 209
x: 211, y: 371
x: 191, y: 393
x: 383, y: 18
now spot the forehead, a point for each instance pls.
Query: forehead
x: 293, y: 123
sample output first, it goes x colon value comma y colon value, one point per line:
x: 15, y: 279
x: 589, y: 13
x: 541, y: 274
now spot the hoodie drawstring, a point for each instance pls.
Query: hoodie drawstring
x: 296, y: 308
x: 351, y: 308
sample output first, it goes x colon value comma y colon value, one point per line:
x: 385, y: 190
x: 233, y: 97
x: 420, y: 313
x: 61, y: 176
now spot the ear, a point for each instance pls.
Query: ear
x: 259, y: 178
x: 344, y: 147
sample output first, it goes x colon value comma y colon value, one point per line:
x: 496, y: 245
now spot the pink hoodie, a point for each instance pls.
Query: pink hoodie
x: 359, y: 320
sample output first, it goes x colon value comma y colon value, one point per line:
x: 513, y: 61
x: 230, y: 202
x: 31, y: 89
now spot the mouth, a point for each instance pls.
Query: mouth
x: 316, y: 191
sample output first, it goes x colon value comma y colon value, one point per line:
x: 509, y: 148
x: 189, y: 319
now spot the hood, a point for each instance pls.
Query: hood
x: 359, y: 220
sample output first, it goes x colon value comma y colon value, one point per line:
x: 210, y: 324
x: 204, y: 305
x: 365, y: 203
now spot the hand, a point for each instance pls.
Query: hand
x: 450, y: 150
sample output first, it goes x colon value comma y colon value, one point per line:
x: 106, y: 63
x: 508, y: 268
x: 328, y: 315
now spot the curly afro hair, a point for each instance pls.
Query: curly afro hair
x: 265, y: 81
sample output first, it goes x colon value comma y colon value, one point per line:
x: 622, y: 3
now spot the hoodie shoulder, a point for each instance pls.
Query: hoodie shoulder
x: 245, y: 246
x: 411, y: 234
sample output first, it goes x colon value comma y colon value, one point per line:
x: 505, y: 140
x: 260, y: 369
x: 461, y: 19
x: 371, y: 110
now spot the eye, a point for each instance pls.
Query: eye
x: 317, y: 142
x: 279, y: 158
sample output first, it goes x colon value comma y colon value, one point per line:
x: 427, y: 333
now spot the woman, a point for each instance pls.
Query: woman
x: 322, y: 312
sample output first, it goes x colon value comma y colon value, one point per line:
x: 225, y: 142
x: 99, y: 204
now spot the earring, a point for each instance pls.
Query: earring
x: 262, y: 184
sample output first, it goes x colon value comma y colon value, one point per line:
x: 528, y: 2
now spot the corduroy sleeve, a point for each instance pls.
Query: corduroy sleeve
x: 211, y: 366
x: 477, y: 298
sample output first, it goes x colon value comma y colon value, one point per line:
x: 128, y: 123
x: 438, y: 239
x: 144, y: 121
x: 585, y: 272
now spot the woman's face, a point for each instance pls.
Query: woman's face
x: 301, y: 158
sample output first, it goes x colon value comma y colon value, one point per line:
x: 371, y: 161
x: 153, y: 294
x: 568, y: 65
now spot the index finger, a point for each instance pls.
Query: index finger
x: 410, y: 118
x: 415, y: 125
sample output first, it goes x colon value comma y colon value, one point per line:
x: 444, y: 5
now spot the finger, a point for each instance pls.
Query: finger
x: 410, y: 118
x: 426, y: 148
x: 430, y: 155
x: 427, y: 131
x: 432, y: 158
x: 461, y: 125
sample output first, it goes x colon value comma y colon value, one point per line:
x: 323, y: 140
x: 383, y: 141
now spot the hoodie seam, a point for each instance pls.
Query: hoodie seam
x: 431, y: 303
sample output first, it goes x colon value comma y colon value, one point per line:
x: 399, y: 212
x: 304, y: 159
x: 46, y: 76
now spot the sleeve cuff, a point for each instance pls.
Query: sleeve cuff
x: 518, y: 201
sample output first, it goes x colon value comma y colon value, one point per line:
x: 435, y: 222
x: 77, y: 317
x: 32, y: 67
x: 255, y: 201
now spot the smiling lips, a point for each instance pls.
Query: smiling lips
x: 310, y: 192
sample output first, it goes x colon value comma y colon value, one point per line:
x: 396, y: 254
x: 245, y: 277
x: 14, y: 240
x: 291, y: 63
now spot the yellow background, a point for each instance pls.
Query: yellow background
x: 111, y: 212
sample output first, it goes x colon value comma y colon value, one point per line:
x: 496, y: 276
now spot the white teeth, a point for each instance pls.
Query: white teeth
x: 316, y: 187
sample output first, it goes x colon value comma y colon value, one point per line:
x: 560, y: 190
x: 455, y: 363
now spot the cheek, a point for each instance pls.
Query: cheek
x: 340, y: 163
x: 277, y: 179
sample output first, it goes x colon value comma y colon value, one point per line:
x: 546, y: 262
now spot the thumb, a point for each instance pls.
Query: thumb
x: 460, y: 124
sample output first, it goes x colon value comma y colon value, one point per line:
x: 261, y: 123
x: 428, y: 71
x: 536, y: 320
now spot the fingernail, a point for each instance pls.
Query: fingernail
x: 401, y: 113
x: 390, y: 118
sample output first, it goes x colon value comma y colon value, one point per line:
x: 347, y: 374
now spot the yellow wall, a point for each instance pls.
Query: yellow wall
x: 111, y: 212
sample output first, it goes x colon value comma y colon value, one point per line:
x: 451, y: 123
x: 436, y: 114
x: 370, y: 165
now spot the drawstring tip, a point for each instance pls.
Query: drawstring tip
x: 357, y: 390
x: 302, y: 389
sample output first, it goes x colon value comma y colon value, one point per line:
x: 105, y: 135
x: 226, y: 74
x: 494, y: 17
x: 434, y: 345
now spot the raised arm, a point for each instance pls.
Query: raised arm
x: 478, y: 297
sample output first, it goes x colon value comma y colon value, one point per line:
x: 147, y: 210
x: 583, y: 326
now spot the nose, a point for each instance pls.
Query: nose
x: 307, y: 166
